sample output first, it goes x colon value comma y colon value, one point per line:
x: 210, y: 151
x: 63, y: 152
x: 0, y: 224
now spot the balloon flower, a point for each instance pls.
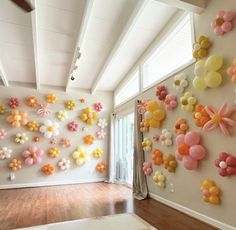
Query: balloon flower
x: 219, y: 118
x: 161, y: 92
x: 142, y: 106
x: 100, y: 167
x: 21, y: 138
x: 51, y: 98
x: 102, y: 123
x: 2, y: 109
x: 144, y: 126
x: 147, y: 168
x: 166, y: 137
x: 44, y: 110
x: 3, y: 133
x: 180, y: 82
x: 63, y: 164
x: 98, y: 106
x: 88, y: 116
x: 223, y: 22
x: 170, y: 102
x: 181, y: 126
x: 13, y: 102
x: 97, y: 153
x: 88, y: 139
x: 33, y: 126
x: 5, y: 153
x: 170, y: 163
x: 53, y: 140
x: 32, y: 155
x: 80, y: 156
x: 73, y: 126
x: 189, y: 150
x: 211, y: 193
x: 147, y: 144
x: 65, y: 142
x: 48, y: 169
x: 32, y: 102
x: 188, y: 102
x: 70, y: 104
x: 53, y: 152
x: 101, y: 134
x: 231, y: 71
x: 226, y: 164
x: 206, y: 73
x: 82, y: 100
x: 17, y: 118
x: 15, y: 165
x: 157, y: 157
x: 159, y: 179
x: 49, y: 129
x: 156, y: 138
x: 62, y: 115
x: 200, y: 115
x: 154, y: 114
x: 200, y: 48
x: 36, y: 139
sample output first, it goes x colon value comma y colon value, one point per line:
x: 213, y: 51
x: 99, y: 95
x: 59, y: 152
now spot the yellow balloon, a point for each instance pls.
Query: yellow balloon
x: 214, y: 191
x: 199, y: 83
x: 214, y: 199
x: 199, y: 69
x: 213, y: 79
x: 214, y: 63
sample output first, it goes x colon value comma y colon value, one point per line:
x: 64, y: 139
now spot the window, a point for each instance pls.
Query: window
x: 131, y: 88
x: 174, y: 52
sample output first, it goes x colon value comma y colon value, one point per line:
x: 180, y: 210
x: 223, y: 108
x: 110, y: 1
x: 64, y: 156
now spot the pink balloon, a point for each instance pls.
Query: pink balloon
x: 227, y: 26
x: 26, y: 153
x: 192, y: 138
x: 37, y: 160
x: 29, y: 161
x: 231, y: 170
x: 206, y: 192
x: 189, y: 163
x: 229, y: 16
x: 197, y: 152
x: 223, y: 156
x: 221, y: 14
x: 223, y: 172
x: 179, y: 139
x: 231, y: 161
x: 173, y: 104
x: 218, y: 31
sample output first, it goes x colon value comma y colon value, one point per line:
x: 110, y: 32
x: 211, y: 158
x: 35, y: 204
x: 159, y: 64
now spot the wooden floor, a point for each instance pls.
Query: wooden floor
x: 36, y: 206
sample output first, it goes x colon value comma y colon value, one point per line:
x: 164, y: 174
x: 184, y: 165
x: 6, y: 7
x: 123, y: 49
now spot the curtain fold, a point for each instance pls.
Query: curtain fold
x: 140, y: 189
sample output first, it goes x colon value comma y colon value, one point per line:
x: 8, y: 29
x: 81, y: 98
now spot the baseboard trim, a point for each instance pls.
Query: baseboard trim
x: 41, y: 184
x: 193, y: 213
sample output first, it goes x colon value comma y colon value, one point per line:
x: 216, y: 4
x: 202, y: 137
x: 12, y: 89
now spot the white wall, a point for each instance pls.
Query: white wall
x: 32, y: 175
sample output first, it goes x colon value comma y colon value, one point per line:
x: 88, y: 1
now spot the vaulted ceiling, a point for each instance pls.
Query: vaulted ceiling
x: 41, y: 48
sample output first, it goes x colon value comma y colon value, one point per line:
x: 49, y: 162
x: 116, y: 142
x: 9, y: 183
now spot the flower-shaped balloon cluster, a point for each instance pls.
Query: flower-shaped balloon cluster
x: 53, y: 140
x: 181, y: 126
x: 147, y: 144
x: 62, y: 115
x: 188, y: 102
x: 44, y: 110
x: 166, y: 137
x: 206, y: 73
x: 32, y: 155
x: 231, y: 71
x: 226, y: 164
x: 63, y: 164
x: 33, y: 126
x: 49, y: 129
x: 211, y: 193
x: 189, y: 150
x: 154, y: 114
x: 36, y: 139
x: 223, y: 22
x: 65, y: 142
x: 32, y: 102
x: 48, y: 169
x: 88, y: 139
x: 97, y: 153
x: 80, y: 156
x: 21, y: 138
x: 13, y: 102
x: 5, y: 153
x: 51, y: 98
x: 101, y: 167
x: 88, y: 116
x: 2, y: 109
x: 73, y: 126
x: 159, y: 179
x: 3, y: 133
x: 157, y: 157
x: 180, y: 82
x: 200, y: 48
x: 219, y: 118
x: 170, y: 102
x: 147, y: 168
x: 102, y: 123
x: 161, y: 92
x: 53, y: 152
x: 100, y: 134
x: 170, y: 162
x: 144, y: 126
x: 17, y: 118
x: 142, y: 106
x: 70, y: 105
x: 98, y: 106
x: 15, y: 165
x: 200, y: 115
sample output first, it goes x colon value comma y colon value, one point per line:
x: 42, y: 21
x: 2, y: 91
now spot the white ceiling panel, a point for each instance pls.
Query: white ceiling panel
x: 55, y: 58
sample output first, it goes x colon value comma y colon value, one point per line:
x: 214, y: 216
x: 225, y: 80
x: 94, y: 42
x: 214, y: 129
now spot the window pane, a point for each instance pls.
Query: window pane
x: 173, y: 52
x: 130, y: 89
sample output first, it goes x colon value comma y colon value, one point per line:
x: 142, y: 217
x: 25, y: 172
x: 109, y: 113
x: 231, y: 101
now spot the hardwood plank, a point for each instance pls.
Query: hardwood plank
x: 36, y: 206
